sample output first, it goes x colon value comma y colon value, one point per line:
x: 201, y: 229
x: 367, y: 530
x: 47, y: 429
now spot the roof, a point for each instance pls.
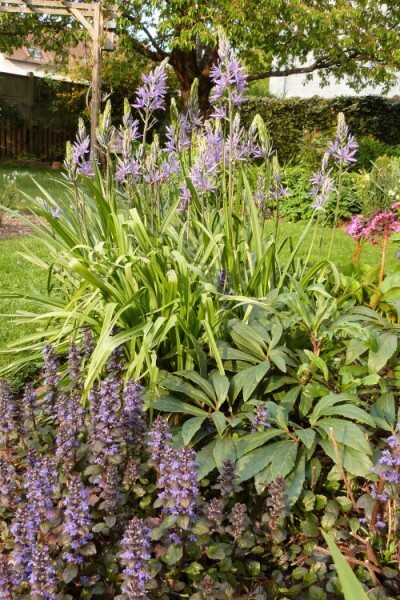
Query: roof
x: 36, y: 55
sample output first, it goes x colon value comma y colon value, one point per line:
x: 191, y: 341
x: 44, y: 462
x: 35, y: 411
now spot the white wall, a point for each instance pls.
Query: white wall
x: 16, y: 67
x: 295, y: 86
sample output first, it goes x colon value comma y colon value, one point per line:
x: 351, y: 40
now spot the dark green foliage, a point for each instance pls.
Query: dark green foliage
x: 298, y: 205
x: 288, y: 119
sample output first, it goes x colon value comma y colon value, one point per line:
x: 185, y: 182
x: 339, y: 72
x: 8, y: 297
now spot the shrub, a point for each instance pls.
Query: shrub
x: 288, y: 119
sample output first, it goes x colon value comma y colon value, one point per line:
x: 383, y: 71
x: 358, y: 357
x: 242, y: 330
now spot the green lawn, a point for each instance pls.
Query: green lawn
x: 25, y: 177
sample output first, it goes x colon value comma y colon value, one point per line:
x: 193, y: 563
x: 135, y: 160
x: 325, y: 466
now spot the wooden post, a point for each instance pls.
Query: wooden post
x: 96, y: 78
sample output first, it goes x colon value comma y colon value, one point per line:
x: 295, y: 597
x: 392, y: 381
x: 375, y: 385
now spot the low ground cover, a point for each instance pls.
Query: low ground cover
x: 214, y: 394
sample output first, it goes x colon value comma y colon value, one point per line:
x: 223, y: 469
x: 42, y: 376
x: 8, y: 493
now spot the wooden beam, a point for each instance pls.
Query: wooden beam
x: 41, y: 11
x: 83, y: 21
x: 87, y: 6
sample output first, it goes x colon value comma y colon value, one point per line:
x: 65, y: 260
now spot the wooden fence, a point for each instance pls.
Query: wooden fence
x: 43, y: 143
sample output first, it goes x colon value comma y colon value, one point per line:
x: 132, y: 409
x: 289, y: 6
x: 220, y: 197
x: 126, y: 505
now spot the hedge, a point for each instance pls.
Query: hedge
x: 287, y: 119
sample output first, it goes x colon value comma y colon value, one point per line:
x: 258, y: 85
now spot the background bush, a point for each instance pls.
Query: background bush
x: 286, y: 119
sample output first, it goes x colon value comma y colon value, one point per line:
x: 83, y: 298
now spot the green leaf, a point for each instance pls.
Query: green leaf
x: 307, y: 436
x: 224, y: 449
x: 221, y: 386
x: 351, y: 587
x: 251, y: 441
x: 199, y: 381
x: 205, y: 460
x: 218, y: 551
x: 351, y: 412
x: 88, y: 550
x: 219, y: 421
x: 327, y: 402
x: 384, y: 411
x: 387, y: 346
x: 173, y: 555
x: 318, y: 362
x: 345, y: 433
x: 69, y: 573
x: 356, y: 463
x: 252, y: 462
x: 171, y: 404
x: 190, y: 428
x: 355, y: 349
x: 295, y: 482
x: 282, y: 461
x: 248, y: 379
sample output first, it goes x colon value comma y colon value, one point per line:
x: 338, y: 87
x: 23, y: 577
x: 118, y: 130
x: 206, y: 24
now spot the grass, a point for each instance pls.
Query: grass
x: 53, y: 181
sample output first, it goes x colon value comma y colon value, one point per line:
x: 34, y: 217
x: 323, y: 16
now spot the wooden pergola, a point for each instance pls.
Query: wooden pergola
x: 96, y: 18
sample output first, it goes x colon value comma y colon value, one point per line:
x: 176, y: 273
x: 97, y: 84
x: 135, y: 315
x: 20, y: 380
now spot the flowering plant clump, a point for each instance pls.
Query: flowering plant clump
x: 376, y: 229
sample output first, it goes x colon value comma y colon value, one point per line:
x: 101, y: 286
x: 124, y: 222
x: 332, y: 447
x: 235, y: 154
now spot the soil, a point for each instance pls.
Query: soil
x: 12, y: 227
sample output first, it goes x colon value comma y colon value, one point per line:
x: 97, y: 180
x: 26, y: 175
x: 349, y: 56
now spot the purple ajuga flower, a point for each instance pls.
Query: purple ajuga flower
x: 74, y: 366
x: 228, y: 75
x: 40, y: 484
x: 135, y: 557
x: 115, y: 362
x: 77, y: 519
x: 109, y: 483
x: 24, y: 528
x: 260, y: 419
x: 179, y: 482
x: 8, y: 484
x: 276, y: 501
x: 29, y: 405
x: 7, y: 578
x: 238, y: 520
x: 106, y: 431
x: 159, y: 437
x: 70, y: 418
x: 88, y: 344
x: 50, y: 375
x: 226, y: 479
x: 7, y: 408
x: 132, y: 415
x: 43, y: 576
x: 214, y: 512
x: 151, y: 95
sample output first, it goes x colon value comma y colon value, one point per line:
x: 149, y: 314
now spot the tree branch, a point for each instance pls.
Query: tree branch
x: 321, y: 63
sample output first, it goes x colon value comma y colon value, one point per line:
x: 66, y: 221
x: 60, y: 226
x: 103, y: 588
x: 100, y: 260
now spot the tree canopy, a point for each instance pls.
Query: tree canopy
x: 353, y: 38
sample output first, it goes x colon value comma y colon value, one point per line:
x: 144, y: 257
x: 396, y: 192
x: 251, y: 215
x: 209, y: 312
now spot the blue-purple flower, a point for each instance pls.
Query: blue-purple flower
x: 7, y: 578
x: 77, y: 519
x: 344, y: 146
x: 43, y: 576
x: 135, y: 557
x: 159, y: 437
x: 8, y: 484
x: 151, y: 95
x: 228, y: 75
x: 178, y: 479
x: 50, y: 374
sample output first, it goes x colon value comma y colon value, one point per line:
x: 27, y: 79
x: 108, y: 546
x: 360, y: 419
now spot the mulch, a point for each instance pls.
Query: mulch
x: 12, y: 227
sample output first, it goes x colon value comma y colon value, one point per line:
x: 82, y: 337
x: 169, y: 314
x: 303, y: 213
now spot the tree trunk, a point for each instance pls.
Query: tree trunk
x: 190, y: 65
